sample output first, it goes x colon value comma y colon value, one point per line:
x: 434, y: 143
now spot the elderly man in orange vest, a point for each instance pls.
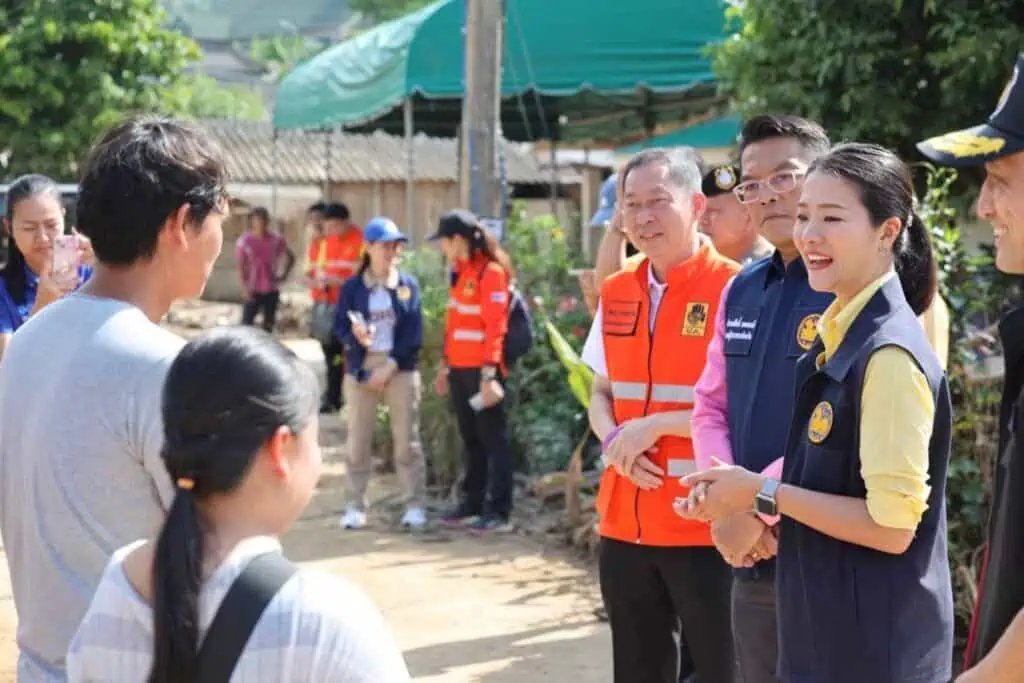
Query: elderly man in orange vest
x: 659, y: 573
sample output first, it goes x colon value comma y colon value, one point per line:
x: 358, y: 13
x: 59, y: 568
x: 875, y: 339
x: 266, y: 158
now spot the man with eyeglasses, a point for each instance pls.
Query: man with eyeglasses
x: 744, y: 399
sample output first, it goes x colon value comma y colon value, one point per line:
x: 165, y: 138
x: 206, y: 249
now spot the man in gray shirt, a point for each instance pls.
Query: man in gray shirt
x: 81, y: 382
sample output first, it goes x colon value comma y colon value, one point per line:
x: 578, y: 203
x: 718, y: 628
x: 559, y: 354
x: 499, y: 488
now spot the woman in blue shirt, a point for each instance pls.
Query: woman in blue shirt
x: 34, y: 220
x: 379, y: 321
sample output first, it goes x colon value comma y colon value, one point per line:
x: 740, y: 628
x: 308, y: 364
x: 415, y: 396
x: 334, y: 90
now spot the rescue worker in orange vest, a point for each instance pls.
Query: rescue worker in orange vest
x: 473, y: 372
x: 334, y: 257
x: 659, y: 573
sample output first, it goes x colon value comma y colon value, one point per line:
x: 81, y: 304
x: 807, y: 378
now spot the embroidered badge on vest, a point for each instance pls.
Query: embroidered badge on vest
x: 696, y: 321
x: 619, y: 318
x: 807, y: 331
x: 469, y: 289
x: 821, y: 422
x: 403, y: 293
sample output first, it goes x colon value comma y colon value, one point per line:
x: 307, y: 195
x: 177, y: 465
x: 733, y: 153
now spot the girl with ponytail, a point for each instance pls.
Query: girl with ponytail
x: 240, y: 427
x: 862, y: 569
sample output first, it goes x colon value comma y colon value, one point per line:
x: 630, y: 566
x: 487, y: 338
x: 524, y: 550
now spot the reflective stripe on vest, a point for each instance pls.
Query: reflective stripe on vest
x: 465, y: 309
x: 467, y: 335
x: 662, y: 393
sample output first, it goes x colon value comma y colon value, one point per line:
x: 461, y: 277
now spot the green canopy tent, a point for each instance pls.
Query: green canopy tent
x: 589, y: 70
x: 717, y: 132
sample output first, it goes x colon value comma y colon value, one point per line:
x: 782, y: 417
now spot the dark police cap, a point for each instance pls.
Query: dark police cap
x: 1001, y: 135
x: 456, y: 222
x: 720, y: 180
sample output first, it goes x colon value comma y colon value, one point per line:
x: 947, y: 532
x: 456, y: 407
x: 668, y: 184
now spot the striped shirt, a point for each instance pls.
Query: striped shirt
x: 317, y: 628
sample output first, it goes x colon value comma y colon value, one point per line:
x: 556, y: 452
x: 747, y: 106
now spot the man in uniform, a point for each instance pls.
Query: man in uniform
x: 658, y: 573
x: 767, y: 319
x: 995, y: 648
x: 727, y: 222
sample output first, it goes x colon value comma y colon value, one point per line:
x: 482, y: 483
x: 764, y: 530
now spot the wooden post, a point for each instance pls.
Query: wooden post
x: 481, y: 106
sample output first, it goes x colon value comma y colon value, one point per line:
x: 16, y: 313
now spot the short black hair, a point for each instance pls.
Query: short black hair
x: 318, y: 207
x: 260, y: 212
x: 141, y: 172
x: 811, y: 135
x: 337, y: 211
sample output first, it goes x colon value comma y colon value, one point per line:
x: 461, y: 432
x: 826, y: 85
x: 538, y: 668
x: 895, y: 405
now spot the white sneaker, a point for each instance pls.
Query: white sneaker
x: 353, y: 519
x: 414, y: 518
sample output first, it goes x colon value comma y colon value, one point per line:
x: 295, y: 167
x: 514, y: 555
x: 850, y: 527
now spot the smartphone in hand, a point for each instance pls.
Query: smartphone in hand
x: 66, y: 256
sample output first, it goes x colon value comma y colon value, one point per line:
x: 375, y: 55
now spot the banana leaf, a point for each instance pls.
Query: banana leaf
x: 580, y: 376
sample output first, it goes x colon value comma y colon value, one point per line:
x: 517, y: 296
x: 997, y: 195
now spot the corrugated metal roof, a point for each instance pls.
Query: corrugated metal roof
x: 302, y: 157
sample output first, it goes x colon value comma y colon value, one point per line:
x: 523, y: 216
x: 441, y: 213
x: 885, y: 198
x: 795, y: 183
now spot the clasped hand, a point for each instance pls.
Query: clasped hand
x: 628, y: 453
x: 743, y: 540
x: 719, y: 492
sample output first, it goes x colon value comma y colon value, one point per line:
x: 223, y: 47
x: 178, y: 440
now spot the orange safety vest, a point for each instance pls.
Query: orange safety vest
x: 336, y: 255
x: 656, y: 374
x: 477, y: 319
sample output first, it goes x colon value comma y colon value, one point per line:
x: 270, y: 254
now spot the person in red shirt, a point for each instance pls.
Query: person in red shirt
x: 473, y: 372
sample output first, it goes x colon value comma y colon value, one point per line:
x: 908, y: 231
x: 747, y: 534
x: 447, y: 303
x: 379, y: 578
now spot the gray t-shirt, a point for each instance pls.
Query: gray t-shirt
x: 80, y: 467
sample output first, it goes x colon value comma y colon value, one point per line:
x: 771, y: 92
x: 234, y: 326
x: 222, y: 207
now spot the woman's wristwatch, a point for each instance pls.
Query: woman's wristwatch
x: 488, y: 372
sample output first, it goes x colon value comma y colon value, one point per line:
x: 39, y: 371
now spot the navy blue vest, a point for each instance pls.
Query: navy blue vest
x: 771, y: 318
x: 846, y: 613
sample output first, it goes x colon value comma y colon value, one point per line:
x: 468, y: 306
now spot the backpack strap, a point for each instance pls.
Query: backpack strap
x: 239, y: 613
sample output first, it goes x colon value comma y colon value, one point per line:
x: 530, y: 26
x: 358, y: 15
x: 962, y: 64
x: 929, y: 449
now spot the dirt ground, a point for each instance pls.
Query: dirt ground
x: 500, y: 610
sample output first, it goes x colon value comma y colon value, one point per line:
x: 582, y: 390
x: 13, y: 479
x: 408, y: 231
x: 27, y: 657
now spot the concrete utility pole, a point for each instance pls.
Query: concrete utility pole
x: 481, y: 106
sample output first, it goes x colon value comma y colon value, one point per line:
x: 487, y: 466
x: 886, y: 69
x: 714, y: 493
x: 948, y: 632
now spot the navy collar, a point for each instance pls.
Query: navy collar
x: 778, y: 270
x: 887, y: 301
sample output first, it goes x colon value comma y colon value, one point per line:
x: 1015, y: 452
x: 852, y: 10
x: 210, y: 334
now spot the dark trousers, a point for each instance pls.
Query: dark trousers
x: 487, y: 483
x: 652, y: 593
x: 265, y: 303
x: 334, y: 356
x: 755, y: 629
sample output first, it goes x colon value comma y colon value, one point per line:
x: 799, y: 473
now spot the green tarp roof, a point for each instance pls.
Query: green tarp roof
x: 717, y: 132
x: 573, y: 69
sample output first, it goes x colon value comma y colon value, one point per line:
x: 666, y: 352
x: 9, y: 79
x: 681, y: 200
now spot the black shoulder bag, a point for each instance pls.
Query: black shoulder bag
x: 238, y: 614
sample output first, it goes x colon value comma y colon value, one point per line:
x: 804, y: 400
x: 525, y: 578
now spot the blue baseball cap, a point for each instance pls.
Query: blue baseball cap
x: 606, y: 202
x: 381, y: 229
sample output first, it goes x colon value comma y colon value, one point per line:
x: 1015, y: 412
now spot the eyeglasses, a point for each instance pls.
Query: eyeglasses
x: 780, y: 183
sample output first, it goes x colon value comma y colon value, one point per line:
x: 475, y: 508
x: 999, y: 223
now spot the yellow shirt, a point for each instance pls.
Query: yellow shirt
x: 897, y: 412
x: 936, y: 326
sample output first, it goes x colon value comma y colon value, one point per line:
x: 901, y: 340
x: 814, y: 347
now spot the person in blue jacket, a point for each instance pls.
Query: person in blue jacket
x: 379, y: 321
x: 34, y: 220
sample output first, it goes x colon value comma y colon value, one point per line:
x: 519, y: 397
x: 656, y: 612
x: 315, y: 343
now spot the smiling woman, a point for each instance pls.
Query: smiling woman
x: 864, y: 591
x: 34, y: 221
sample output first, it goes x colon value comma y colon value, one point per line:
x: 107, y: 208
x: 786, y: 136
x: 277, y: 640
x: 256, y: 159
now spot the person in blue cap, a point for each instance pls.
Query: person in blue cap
x: 379, y: 321
x: 995, y: 647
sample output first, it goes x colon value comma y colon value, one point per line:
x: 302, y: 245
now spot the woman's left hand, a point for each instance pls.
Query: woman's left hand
x: 719, y: 492
x: 491, y: 393
x: 380, y: 377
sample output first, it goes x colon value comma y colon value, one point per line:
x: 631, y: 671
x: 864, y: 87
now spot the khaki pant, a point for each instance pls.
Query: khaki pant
x: 402, y: 397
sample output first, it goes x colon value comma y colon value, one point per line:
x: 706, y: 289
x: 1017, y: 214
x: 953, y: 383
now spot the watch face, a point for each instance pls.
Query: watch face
x: 765, y: 506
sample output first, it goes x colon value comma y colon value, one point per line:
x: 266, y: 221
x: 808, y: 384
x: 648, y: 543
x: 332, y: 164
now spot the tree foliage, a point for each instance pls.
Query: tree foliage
x: 385, y: 10
x: 198, y: 96
x: 280, y: 54
x: 70, y: 68
x: 888, y: 71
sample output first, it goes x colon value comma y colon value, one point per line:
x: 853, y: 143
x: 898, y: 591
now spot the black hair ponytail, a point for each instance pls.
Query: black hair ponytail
x: 177, y: 576
x: 916, y: 265
x: 226, y: 394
